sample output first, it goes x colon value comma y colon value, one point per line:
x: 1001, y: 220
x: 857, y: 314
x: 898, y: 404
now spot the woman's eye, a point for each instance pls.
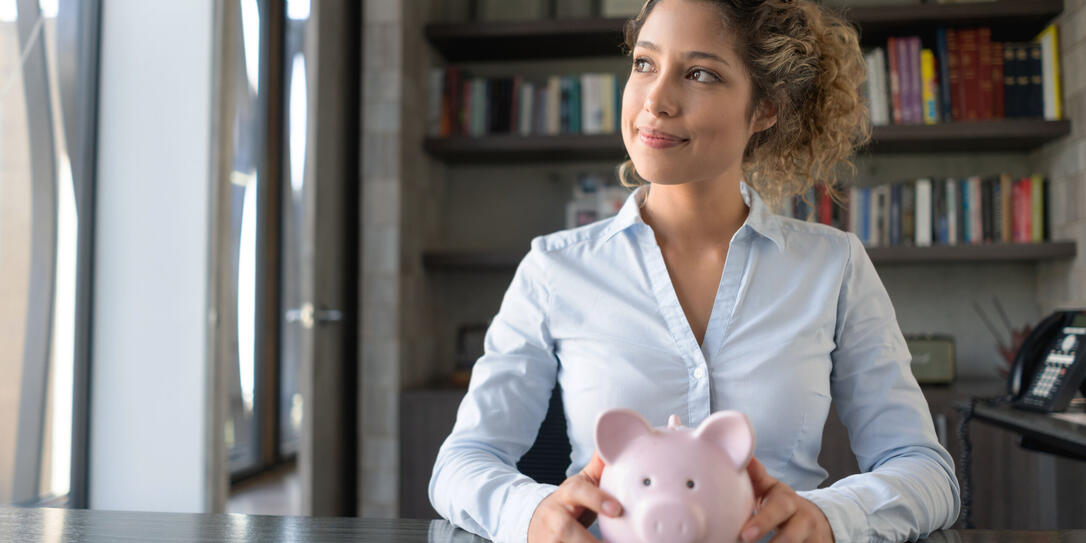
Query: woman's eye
x: 637, y: 64
x: 710, y: 77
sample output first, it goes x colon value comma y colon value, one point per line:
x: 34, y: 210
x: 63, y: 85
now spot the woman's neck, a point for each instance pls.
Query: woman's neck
x: 695, y: 215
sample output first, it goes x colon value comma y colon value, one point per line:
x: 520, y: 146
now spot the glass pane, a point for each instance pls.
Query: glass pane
x: 38, y: 240
x: 243, y: 428
x: 294, y: 202
x: 15, y: 228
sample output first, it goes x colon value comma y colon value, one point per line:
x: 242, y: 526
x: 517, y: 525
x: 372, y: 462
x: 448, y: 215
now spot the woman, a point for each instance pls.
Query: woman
x: 697, y: 298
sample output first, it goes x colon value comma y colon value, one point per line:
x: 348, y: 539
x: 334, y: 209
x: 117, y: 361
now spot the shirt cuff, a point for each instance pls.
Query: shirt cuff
x: 838, y: 510
x: 523, y: 512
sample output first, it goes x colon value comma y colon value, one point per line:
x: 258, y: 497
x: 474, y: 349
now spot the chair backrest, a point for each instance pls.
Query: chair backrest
x: 549, y: 457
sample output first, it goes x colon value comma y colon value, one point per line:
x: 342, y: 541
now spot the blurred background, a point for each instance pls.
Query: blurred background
x: 249, y: 248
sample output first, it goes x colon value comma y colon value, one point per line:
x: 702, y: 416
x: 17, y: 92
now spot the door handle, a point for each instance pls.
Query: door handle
x: 308, y: 315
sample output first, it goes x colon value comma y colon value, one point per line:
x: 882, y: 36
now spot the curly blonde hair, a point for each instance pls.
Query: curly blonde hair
x: 806, y: 61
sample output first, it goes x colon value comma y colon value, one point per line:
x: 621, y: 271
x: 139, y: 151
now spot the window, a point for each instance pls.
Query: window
x: 48, y: 70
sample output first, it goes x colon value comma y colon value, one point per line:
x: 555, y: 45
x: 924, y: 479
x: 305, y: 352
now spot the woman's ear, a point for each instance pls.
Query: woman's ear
x: 765, y: 117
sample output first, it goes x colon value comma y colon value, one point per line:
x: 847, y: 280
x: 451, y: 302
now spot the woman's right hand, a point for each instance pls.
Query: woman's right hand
x: 564, y: 515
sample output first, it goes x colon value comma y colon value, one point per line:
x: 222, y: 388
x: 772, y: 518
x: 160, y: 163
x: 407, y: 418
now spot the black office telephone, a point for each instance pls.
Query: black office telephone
x: 1051, y: 364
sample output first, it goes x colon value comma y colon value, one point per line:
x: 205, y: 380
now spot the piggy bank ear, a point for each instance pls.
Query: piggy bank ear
x: 732, y: 433
x: 615, y: 429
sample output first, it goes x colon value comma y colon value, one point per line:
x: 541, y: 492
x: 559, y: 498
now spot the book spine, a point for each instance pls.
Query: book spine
x: 895, y: 214
x: 927, y: 72
x: 1036, y: 81
x: 1006, y: 199
x: 908, y: 214
x: 997, y: 210
x: 916, y: 107
x: 976, y: 229
x: 997, y: 80
x: 895, y: 80
x: 970, y: 58
x: 954, y: 59
x: 1050, y: 71
x: 943, y: 62
x: 1037, y: 207
x: 964, y: 223
x: 923, y: 213
x: 952, y: 211
x: 984, y: 73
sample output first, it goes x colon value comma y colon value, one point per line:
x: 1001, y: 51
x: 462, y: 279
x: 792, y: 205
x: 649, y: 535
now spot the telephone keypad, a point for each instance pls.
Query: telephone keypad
x: 1062, y: 355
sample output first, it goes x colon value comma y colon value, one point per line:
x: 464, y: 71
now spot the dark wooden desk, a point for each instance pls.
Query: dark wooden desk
x: 1051, y: 433
x: 54, y: 525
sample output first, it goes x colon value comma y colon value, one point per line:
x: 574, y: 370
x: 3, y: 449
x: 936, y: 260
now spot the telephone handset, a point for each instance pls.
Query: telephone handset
x: 1051, y: 364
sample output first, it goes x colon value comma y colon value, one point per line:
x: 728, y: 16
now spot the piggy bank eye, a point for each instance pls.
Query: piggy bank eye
x: 689, y: 484
x: 647, y: 481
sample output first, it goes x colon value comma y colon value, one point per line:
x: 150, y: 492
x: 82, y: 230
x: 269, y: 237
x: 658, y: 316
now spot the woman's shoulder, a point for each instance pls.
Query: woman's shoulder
x: 582, y: 236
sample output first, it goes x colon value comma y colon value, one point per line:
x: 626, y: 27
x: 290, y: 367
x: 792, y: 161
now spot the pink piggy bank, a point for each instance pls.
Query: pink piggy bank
x: 676, y: 484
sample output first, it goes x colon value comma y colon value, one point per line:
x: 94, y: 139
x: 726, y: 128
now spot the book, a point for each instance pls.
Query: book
x: 908, y: 214
x: 984, y: 73
x: 954, y: 61
x: 952, y: 211
x: 1050, y: 72
x: 975, y: 211
x: 943, y: 62
x: 1023, y: 211
x: 1037, y: 207
x: 929, y: 87
x: 1006, y: 198
x: 1036, y: 81
x: 894, y: 52
x: 970, y: 57
x: 923, y: 208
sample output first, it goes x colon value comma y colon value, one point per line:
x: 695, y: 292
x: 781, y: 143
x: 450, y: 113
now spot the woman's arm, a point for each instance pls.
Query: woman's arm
x: 908, y: 487
x: 475, y: 482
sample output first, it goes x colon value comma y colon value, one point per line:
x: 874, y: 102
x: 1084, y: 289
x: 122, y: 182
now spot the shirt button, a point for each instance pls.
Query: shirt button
x: 699, y: 373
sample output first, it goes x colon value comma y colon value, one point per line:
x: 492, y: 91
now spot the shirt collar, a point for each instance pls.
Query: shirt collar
x: 760, y: 219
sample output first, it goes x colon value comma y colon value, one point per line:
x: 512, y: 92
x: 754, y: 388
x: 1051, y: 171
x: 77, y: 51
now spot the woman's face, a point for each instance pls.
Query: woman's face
x: 684, y: 106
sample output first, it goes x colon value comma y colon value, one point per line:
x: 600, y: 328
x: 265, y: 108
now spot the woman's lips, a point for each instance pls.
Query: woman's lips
x: 659, y: 140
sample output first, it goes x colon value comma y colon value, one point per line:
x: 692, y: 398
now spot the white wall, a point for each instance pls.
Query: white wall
x: 148, y: 441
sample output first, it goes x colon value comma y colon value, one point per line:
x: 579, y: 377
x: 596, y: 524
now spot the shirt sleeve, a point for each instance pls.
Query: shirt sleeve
x: 907, y: 488
x: 475, y: 483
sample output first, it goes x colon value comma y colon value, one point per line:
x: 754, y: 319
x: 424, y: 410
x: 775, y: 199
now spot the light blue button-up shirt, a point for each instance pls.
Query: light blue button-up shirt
x: 800, y: 317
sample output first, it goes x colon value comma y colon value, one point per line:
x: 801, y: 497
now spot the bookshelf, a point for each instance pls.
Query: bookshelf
x: 994, y: 135
x: 572, y: 38
x: 565, y: 39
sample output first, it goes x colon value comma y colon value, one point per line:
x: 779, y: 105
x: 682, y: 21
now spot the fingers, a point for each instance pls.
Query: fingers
x: 566, y: 529
x: 584, y: 493
x: 779, y: 505
x: 797, y: 529
x: 760, y: 479
x: 594, y: 469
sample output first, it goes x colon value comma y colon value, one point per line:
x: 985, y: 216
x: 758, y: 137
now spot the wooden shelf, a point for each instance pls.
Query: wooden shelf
x: 995, y: 135
x: 506, y: 261
x: 1010, y: 20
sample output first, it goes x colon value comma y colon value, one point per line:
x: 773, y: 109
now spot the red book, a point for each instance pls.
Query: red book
x: 825, y: 206
x: 970, y: 56
x: 954, y: 68
x: 997, y: 80
x: 450, y: 102
x: 1023, y: 210
x: 984, y: 73
x: 895, y: 80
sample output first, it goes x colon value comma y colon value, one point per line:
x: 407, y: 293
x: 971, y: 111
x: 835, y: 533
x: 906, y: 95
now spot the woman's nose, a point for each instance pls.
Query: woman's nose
x: 660, y: 100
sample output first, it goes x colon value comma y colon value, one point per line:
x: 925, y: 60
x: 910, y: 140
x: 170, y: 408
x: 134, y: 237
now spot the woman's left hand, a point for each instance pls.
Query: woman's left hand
x: 779, y: 508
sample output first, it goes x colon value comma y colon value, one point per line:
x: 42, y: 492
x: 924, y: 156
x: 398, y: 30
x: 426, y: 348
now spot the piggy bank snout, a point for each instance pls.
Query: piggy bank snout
x: 672, y: 520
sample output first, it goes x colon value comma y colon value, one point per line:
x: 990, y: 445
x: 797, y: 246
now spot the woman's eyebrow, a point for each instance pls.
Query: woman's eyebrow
x: 689, y: 54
